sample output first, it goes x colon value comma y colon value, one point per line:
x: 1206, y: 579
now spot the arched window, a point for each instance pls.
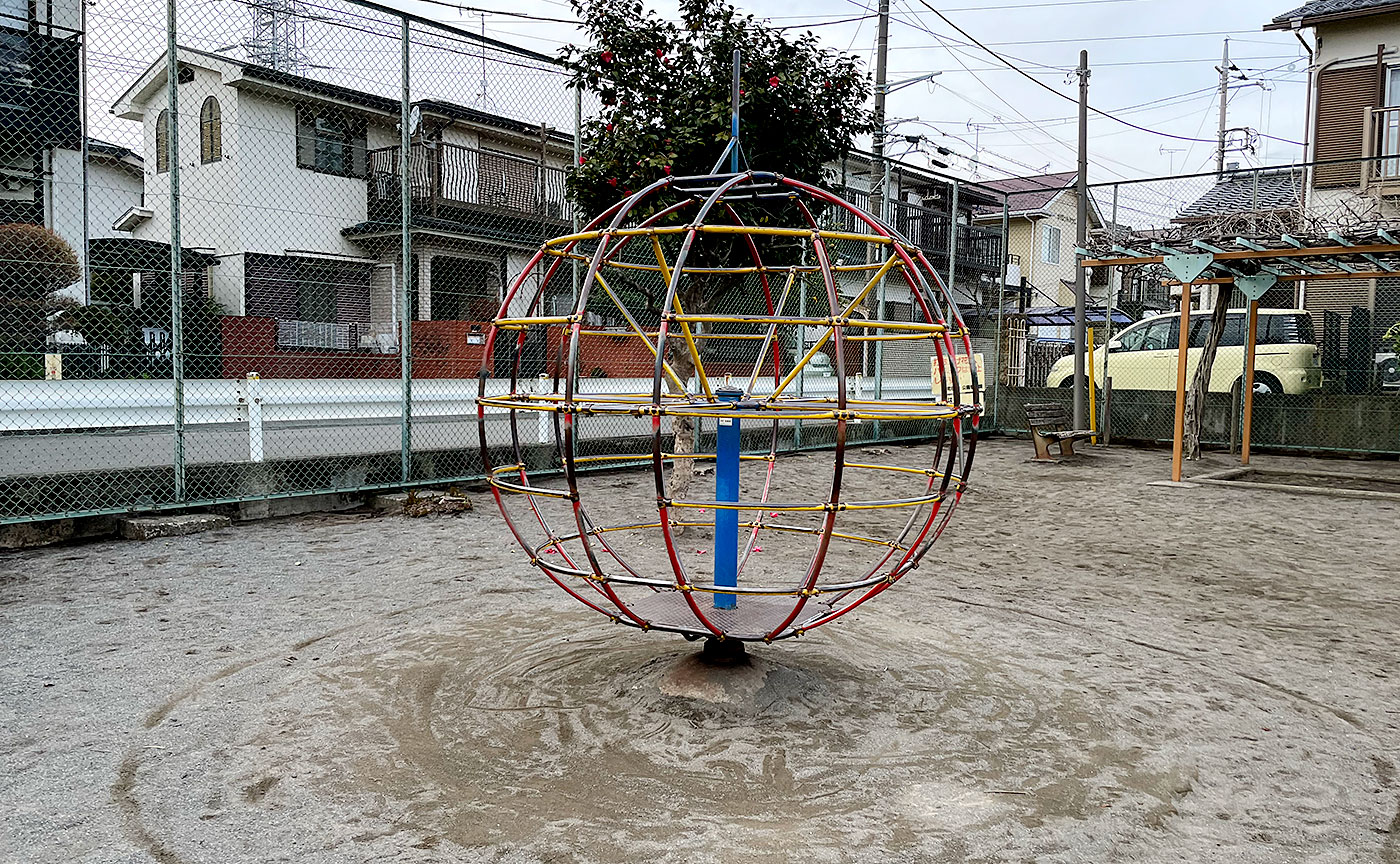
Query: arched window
x: 163, y: 142
x: 211, y: 133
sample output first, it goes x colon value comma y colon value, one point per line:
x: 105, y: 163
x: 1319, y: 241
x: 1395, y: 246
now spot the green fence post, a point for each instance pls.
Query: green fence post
x: 177, y: 336
x: 405, y: 266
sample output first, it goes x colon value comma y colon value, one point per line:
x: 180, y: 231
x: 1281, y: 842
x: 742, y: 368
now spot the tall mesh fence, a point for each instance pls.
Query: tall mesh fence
x: 1325, y: 377
x: 253, y: 249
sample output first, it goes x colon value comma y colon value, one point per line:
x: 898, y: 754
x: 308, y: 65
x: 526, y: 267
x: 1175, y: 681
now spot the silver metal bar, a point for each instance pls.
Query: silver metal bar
x: 1001, y: 308
x: 405, y: 266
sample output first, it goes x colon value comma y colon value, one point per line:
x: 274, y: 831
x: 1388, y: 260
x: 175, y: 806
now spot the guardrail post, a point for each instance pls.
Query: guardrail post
x: 856, y: 386
x: 544, y: 420
x: 253, y: 404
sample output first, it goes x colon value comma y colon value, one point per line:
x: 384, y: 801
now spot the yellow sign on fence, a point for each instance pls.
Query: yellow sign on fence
x: 964, y: 373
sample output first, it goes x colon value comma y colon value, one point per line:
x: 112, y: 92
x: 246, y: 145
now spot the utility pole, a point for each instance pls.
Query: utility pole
x: 1224, y: 100
x: 882, y: 50
x: 1081, y: 240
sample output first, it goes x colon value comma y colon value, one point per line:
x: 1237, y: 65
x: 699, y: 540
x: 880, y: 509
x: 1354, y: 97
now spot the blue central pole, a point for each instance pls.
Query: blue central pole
x: 734, y: 115
x: 727, y: 491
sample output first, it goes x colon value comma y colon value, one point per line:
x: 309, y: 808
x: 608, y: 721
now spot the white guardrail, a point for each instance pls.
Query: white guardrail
x: 117, y: 405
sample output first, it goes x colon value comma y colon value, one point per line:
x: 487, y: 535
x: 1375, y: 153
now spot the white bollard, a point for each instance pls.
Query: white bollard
x: 253, y: 398
x: 543, y: 419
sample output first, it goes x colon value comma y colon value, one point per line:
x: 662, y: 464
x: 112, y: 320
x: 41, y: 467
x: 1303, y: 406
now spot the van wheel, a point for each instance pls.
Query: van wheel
x: 1264, y: 384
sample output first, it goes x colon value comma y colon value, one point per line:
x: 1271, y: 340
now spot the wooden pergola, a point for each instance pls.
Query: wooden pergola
x: 1254, y: 266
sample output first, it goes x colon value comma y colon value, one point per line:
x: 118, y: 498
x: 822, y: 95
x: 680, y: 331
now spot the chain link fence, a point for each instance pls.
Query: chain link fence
x: 252, y: 250
x: 1326, y: 376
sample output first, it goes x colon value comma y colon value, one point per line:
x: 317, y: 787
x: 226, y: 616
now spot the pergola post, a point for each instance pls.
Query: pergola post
x: 1250, y: 340
x: 1187, y: 269
x: 1183, y: 339
x: 1253, y: 288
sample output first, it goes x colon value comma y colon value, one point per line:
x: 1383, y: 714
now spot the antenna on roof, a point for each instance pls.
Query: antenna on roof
x: 279, y: 35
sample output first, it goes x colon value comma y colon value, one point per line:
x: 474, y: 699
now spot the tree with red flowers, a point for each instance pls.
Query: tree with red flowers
x: 664, y: 90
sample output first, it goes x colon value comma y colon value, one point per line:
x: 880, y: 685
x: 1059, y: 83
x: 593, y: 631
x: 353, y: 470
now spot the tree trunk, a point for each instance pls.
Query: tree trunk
x: 1200, y: 382
x: 683, y: 429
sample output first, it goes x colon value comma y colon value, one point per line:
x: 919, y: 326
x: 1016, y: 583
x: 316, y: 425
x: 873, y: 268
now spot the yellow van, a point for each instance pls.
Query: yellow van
x: 1143, y: 355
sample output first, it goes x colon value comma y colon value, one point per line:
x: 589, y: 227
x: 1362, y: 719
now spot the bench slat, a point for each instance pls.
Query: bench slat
x: 1046, y: 414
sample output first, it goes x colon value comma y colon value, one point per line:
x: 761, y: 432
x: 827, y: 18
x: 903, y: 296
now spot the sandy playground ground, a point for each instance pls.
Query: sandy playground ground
x: 1101, y: 671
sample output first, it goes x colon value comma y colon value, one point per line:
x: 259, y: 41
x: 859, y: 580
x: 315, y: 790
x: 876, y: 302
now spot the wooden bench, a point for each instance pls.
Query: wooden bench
x: 1047, y: 422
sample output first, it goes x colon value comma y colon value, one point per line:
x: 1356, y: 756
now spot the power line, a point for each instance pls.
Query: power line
x: 1040, y: 5
x: 1045, y: 86
x: 994, y: 93
x: 825, y: 23
x: 1078, y: 39
x: 1054, y: 70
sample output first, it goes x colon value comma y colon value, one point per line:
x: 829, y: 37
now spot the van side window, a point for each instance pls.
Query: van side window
x: 1160, y: 335
x: 1233, y: 335
x: 1132, y: 339
x: 1234, y: 331
x: 1200, y: 326
x: 1285, y: 330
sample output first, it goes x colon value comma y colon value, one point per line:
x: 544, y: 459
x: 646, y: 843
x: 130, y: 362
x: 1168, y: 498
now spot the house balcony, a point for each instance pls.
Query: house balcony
x: 1380, y: 145
x: 39, y: 87
x: 470, y: 191
x: 978, y: 247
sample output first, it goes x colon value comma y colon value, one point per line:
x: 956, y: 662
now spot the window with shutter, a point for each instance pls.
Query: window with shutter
x: 1343, y: 95
x: 163, y: 142
x: 330, y: 142
x: 211, y: 133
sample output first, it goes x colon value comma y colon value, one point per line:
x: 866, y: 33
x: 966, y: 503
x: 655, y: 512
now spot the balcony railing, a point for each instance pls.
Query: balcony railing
x: 979, y: 247
x: 1381, y: 138
x: 314, y: 334
x: 444, y: 178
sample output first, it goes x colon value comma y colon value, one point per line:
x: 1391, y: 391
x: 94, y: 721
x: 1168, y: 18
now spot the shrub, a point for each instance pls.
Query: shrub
x: 34, y: 263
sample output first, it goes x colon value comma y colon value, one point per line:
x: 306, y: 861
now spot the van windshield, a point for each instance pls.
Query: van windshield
x: 1292, y: 328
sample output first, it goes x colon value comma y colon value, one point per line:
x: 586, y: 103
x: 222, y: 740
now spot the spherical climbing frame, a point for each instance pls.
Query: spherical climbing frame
x: 829, y: 250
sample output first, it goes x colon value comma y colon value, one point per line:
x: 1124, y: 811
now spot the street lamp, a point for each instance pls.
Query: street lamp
x: 888, y: 88
x: 882, y: 90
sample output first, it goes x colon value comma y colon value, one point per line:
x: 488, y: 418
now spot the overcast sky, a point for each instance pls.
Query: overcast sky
x: 1163, y: 52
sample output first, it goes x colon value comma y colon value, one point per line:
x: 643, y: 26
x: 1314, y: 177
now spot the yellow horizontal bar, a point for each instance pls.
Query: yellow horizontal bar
x: 894, y: 338
x: 863, y: 323
x: 925, y: 472
x: 532, y: 322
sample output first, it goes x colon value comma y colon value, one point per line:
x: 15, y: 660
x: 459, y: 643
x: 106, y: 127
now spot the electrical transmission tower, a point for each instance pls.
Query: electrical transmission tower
x: 279, y: 35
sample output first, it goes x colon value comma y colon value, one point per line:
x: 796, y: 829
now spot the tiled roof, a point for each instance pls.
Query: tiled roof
x: 1242, y: 193
x: 1327, y: 8
x: 1028, y: 194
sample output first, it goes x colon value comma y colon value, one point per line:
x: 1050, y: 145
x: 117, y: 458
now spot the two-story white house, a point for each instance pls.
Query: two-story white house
x: 1354, y: 118
x: 293, y: 186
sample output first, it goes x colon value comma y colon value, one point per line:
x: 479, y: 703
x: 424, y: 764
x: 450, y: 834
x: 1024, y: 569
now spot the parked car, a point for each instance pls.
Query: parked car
x: 817, y: 367
x: 1143, y: 355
